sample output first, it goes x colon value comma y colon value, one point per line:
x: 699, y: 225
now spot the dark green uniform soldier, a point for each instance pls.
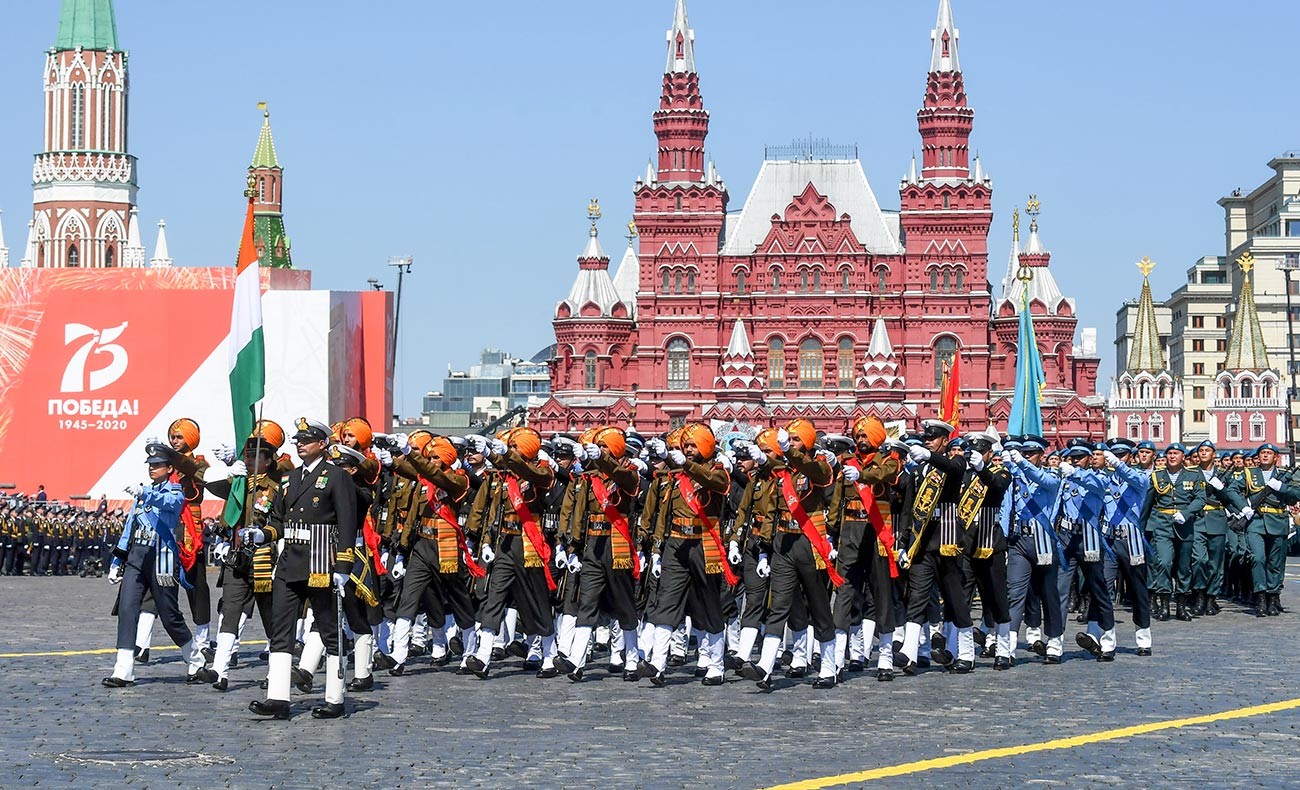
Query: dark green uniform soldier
x: 1173, y: 503
x: 1211, y: 531
x: 1267, y: 491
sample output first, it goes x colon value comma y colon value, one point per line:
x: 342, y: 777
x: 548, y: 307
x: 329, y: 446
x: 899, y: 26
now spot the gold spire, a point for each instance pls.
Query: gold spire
x: 1145, y: 352
x: 631, y: 232
x: 1246, y: 349
x: 1246, y: 262
x: 1031, y: 208
x: 1015, y: 225
x: 1145, y: 266
x: 593, y: 214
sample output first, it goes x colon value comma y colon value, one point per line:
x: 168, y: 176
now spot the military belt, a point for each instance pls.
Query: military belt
x: 1168, y: 511
x: 596, y: 526
x: 1273, y: 511
x: 1214, y: 507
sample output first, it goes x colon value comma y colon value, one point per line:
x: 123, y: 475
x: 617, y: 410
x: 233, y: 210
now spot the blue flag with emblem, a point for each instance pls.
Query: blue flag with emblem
x: 1026, y: 405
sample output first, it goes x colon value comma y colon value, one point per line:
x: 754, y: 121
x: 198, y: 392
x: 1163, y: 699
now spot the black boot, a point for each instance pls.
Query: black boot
x: 1270, y: 607
x: 1212, y: 605
x: 1198, y: 604
x: 1180, y: 608
x: 1161, y: 609
x: 1277, y: 603
x: 1261, y: 605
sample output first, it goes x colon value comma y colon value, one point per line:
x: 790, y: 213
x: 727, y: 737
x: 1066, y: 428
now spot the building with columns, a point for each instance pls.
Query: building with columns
x: 813, y: 299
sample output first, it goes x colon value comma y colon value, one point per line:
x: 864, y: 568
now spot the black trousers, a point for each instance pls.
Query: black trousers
x: 604, y: 590
x: 686, y: 589
x: 1135, y: 579
x: 509, y: 583
x: 1094, y: 584
x: 236, y: 597
x: 287, y: 600
x: 425, y: 587
x: 868, y: 591
x: 756, y: 592
x: 931, y: 569
x: 139, y: 577
x: 1029, y: 584
x: 199, y: 595
x: 991, y: 581
x: 795, y: 576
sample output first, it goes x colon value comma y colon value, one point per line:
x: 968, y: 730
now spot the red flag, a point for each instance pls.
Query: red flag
x: 949, y: 399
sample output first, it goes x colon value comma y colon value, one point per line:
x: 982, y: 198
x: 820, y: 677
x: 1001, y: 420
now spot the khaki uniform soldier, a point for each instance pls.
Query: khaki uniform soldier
x: 1267, y: 493
x: 1173, y: 503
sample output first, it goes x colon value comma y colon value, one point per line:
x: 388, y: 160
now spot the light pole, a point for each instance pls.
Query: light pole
x: 403, y: 267
x: 1289, y: 263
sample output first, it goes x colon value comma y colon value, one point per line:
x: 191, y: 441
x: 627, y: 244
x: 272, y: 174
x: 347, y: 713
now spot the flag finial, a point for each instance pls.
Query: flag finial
x: 1145, y: 266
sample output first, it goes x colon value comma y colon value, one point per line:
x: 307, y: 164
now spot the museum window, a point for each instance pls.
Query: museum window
x: 775, y: 364
x: 740, y: 282
x: 690, y: 281
x: 679, y: 365
x: 881, y: 274
x: 845, y: 362
x: 589, y: 364
x: 1198, y: 345
x: 1198, y: 368
x: 817, y: 280
x: 945, y: 349
x: 844, y: 280
x: 666, y: 283
x: 776, y: 280
x: 110, y: 259
x: 1198, y: 322
x: 677, y: 282
x: 1233, y: 424
x: 934, y: 280
x: 1257, y: 427
x: 811, y: 364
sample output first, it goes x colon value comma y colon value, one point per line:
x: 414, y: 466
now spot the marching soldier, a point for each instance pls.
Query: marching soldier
x: 1211, y: 531
x: 147, y: 558
x: 1083, y: 497
x: 1033, y: 550
x: 1266, y: 521
x: 1123, y: 524
x: 1173, y: 503
x: 985, y: 484
x: 314, y: 513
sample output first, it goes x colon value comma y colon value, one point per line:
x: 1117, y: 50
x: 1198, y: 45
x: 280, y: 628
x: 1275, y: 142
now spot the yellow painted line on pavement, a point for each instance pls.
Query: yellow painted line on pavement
x: 102, y: 652
x: 921, y: 766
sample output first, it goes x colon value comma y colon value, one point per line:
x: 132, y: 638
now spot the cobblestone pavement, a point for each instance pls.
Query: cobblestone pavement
x: 433, y: 728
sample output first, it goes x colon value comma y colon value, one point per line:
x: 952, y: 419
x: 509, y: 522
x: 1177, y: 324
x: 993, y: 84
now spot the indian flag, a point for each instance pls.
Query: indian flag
x: 247, y: 349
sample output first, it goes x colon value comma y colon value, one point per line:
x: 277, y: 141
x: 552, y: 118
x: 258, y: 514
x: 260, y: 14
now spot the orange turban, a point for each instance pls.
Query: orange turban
x: 766, y: 441
x: 870, y: 428
x: 674, y: 439
x: 588, y: 436
x: 613, y: 439
x: 336, y: 432
x: 187, y: 428
x: 271, y: 432
x: 703, y: 439
x: 527, y: 441
x: 361, y: 431
x: 419, y: 439
x: 805, y: 431
x: 442, y: 449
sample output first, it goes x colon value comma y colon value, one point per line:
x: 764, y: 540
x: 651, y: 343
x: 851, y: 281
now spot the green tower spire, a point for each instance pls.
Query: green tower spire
x: 89, y: 24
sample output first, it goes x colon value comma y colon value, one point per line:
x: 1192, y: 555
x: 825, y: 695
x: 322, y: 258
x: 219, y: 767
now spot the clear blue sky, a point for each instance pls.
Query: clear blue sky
x: 471, y: 135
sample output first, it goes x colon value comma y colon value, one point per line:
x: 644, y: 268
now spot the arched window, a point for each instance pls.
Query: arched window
x: 945, y: 348
x: 775, y: 364
x: 1257, y: 427
x: 1134, y: 423
x: 881, y: 274
x: 803, y: 279
x: 666, y: 283
x: 1157, y: 428
x: 844, y: 280
x: 947, y: 282
x: 690, y: 281
x: 677, y: 282
x: 74, y: 257
x: 844, y: 362
x: 817, y: 280
x: 109, y: 257
x: 1247, y: 390
x: 811, y: 364
x: 740, y: 281
x: 261, y: 189
x: 679, y: 365
x: 776, y: 279
x: 78, y: 116
x: 590, y: 370
x: 1233, y: 423
x: 959, y: 280
x: 934, y: 280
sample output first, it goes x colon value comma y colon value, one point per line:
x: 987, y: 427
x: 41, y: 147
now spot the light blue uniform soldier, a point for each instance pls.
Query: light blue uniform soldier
x: 1122, y: 526
x: 1032, y: 549
x: 1082, y: 499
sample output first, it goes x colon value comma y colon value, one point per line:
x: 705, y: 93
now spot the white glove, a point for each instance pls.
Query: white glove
x: 252, y: 535
x: 398, y: 570
x: 919, y: 454
x: 1007, y: 460
x: 133, y: 491
x: 783, y: 440
x: 1066, y: 468
x: 1275, y: 483
x: 640, y: 562
x: 383, y: 558
x: 639, y: 465
x: 561, y: 559
x: 757, y: 455
x: 763, y: 569
x: 656, y: 566
x: 1113, y: 459
x: 591, y: 451
x: 340, y: 581
x: 1247, y: 513
x: 726, y: 462
x: 834, y: 552
x: 575, y: 564
x: 1215, y: 483
x: 902, y: 560
x: 384, y: 457
x: 677, y: 457
x: 577, y: 467
x: 477, y: 444
x: 1017, y: 457
x: 733, y: 553
x: 975, y: 461
x: 238, y: 469
x: 851, y: 474
x: 498, y: 447
x: 221, y: 551
x: 829, y: 458
x: 225, y: 454
x: 1179, y: 518
x: 488, y: 555
x: 657, y: 447
x: 403, y: 443
x: 114, y: 573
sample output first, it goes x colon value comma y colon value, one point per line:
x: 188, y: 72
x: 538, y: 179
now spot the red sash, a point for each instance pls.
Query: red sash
x: 884, y: 530
x: 531, y: 529
x: 190, y: 547
x: 372, y: 543
x: 819, y: 543
x: 687, y: 488
x: 446, y: 514
x: 615, y: 518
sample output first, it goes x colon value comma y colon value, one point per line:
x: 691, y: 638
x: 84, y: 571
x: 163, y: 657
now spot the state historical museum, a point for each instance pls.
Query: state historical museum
x: 812, y: 300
